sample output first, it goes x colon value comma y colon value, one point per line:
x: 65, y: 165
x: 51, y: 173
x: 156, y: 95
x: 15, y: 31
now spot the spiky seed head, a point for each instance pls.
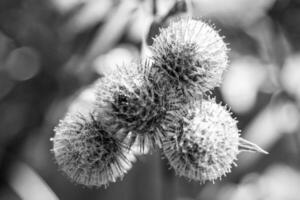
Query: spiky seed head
x: 207, y: 142
x: 191, y: 54
x: 124, y: 76
x: 137, y: 104
x: 88, y: 152
x: 127, y: 77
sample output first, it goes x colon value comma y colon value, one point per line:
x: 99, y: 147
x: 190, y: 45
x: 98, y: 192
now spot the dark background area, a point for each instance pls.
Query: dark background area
x: 52, y: 51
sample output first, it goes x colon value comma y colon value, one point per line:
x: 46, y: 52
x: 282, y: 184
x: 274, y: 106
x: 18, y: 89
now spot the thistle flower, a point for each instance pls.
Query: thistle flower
x: 207, y: 142
x: 88, y: 152
x: 136, y: 104
x: 191, y: 54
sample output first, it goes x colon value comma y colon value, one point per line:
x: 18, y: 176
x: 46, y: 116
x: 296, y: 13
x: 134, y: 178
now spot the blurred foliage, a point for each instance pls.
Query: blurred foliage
x: 52, y: 51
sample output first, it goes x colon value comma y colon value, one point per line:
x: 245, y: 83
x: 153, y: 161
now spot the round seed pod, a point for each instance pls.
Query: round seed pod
x: 89, y: 153
x: 191, y: 54
x: 207, y: 142
x: 137, y: 104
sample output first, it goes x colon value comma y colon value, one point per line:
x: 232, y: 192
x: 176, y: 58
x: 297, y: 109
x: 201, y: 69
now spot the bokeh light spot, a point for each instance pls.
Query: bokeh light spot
x: 118, y: 56
x: 23, y: 64
x: 6, y: 84
x: 242, y: 82
x: 290, y: 75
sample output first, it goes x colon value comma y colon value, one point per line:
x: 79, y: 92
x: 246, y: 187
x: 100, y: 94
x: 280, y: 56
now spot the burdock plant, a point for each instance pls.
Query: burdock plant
x: 190, y: 54
x: 207, y: 142
x: 136, y: 102
x: 162, y: 103
x: 89, y: 152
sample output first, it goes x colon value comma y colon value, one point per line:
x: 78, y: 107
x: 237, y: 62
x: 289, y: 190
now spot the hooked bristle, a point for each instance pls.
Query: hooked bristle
x: 245, y: 145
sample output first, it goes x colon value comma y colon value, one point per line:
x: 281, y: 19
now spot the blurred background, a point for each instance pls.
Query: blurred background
x: 52, y: 51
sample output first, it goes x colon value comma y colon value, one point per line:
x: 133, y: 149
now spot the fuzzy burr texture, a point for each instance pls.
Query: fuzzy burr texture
x: 207, y: 142
x: 191, y: 54
x: 136, y: 104
x: 89, y: 153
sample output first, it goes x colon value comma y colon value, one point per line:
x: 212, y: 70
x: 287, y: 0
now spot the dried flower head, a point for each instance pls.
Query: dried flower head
x: 207, y: 142
x: 88, y: 152
x: 137, y: 104
x: 191, y: 54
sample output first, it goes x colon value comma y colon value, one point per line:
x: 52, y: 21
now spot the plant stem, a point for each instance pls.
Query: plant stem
x: 154, y: 7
